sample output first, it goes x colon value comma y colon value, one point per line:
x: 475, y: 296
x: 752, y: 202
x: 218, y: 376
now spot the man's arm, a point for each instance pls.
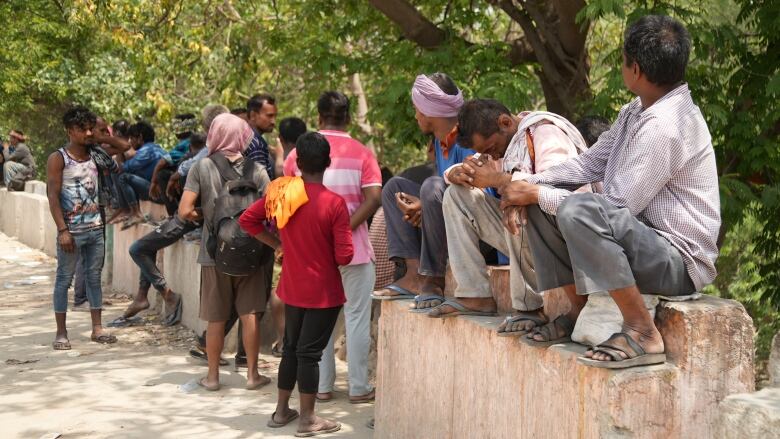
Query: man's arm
x: 343, y: 249
x: 54, y: 167
x: 154, y: 188
x: 372, y: 200
x: 251, y: 221
x: 190, y: 196
x: 20, y: 153
x: 112, y: 145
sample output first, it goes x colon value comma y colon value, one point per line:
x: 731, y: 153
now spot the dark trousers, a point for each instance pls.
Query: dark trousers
x: 163, y: 176
x: 306, y: 334
x: 144, y: 251
x: 428, y: 243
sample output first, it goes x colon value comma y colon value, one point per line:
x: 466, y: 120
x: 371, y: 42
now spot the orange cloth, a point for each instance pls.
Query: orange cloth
x: 284, y: 196
x: 449, y: 141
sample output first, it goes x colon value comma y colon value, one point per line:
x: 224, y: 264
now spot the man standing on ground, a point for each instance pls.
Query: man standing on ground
x: 654, y: 228
x: 413, y: 212
x: 261, y: 115
x: 354, y: 174
x: 18, y: 163
x: 72, y: 189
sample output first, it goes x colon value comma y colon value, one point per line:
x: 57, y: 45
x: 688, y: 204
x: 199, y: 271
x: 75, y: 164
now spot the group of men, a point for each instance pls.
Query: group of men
x: 634, y: 210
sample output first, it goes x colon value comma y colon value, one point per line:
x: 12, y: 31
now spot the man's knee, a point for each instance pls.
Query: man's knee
x: 432, y: 190
x: 392, y: 187
x: 576, y: 206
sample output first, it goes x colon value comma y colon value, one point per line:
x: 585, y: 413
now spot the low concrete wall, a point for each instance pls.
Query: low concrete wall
x: 455, y: 378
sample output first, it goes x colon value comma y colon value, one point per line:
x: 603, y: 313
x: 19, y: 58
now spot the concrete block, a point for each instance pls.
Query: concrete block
x: 49, y: 233
x: 31, y: 210
x: 774, y: 362
x: 35, y: 187
x: 455, y: 378
x: 182, y: 272
x: 10, y: 215
x: 750, y: 415
x: 155, y: 211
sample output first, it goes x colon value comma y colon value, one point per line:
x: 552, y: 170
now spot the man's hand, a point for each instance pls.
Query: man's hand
x: 512, y: 218
x: 100, y: 138
x: 65, y: 240
x: 484, y: 173
x: 154, y: 191
x: 173, y: 190
x: 459, y: 176
x: 519, y: 193
x: 411, y: 207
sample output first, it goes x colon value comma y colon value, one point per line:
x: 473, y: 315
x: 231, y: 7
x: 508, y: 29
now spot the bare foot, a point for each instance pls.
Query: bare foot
x: 210, y: 385
x: 318, y: 425
x: 136, y: 307
x: 523, y: 321
x: 649, y: 339
x: 368, y: 397
x: 256, y: 382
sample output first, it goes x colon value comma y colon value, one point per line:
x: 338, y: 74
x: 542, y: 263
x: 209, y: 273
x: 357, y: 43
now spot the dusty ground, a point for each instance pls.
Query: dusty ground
x: 128, y: 390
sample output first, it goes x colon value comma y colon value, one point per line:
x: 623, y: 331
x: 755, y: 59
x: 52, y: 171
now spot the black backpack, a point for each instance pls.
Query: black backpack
x: 235, y: 252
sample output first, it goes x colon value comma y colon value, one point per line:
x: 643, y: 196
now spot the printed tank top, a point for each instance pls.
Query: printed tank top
x: 79, y: 195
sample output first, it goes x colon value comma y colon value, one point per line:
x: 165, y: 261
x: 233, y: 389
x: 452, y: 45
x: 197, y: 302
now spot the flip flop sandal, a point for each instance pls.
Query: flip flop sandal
x: 324, y: 399
x: 276, y: 350
x: 209, y: 388
x: 61, y: 345
x: 460, y: 310
x: 319, y: 432
x: 174, y: 316
x: 259, y: 385
x: 635, y: 353
x: 546, y: 331
x: 200, y: 355
x: 519, y: 318
x: 420, y: 298
x: 371, y: 396
x: 403, y: 293
x: 104, y: 339
x: 131, y: 222
x: 273, y: 424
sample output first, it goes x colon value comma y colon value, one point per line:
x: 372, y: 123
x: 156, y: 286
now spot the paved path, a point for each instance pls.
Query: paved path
x: 128, y: 390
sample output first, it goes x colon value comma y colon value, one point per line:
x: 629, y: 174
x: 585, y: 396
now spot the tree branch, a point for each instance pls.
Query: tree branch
x: 413, y: 24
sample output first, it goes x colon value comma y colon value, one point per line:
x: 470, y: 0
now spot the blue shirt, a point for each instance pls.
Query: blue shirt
x: 455, y: 156
x: 185, y: 166
x: 178, y: 152
x: 258, y: 152
x: 145, y: 159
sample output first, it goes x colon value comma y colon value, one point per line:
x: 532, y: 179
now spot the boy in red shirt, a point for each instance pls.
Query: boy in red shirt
x: 313, y: 224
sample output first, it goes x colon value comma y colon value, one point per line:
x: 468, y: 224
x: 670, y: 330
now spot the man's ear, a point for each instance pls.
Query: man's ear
x: 504, y: 122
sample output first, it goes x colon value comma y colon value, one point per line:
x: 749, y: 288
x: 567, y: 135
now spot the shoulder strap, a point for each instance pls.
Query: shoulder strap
x: 529, y: 142
x: 226, y: 171
x: 249, y: 168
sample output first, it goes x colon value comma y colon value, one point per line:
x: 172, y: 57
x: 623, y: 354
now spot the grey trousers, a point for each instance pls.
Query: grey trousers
x: 471, y: 215
x: 599, y: 247
x: 358, y: 283
x: 427, y: 243
x: 15, y: 174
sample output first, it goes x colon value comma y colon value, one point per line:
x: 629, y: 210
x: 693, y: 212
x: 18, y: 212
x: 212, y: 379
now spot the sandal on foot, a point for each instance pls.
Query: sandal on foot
x: 276, y: 350
x: 259, y: 384
x: 273, y: 424
x: 104, y: 339
x: 549, y: 331
x: 174, y: 316
x: 635, y: 353
x: 403, y: 293
x: 420, y: 298
x: 333, y: 429
x: 460, y: 310
x: 368, y: 397
x: 61, y: 345
x: 199, y: 354
x: 324, y: 398
x: 538, y: 321
x: 206, y: 386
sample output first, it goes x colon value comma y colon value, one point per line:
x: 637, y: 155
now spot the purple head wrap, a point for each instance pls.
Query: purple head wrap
x: 432, y: 101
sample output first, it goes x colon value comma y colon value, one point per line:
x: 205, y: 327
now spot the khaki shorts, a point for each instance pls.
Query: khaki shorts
x: 219, y: 293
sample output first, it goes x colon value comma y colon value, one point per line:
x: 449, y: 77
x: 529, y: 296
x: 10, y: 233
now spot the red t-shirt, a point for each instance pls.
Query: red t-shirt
x: 316, y: 241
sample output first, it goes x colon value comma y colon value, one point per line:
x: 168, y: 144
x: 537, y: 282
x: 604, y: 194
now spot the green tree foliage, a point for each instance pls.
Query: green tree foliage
x: 152, y: 59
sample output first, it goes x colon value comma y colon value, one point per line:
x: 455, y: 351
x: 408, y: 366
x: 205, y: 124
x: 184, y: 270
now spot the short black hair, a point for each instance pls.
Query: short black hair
x: 121, y: 128
x: 197, y: 140
x: 479, y: 116
x: 238, y: 110
x: 291, y: 128
x: 445, y: 83
x: 660, y: 45
x: 591, y: 128
x: 313, y: 152
x: 333, y: 107
x: 184, y: 116
x: 256, y: 102
x: 79, y: 117
x: 142, y: 129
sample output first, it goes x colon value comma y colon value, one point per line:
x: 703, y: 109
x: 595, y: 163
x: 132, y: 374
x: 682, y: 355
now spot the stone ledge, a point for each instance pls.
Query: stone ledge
x: 750, y: 415
x: 455, y: 378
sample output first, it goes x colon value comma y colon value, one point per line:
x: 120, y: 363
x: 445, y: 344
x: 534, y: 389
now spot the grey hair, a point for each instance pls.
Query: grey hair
x: 210, y: 112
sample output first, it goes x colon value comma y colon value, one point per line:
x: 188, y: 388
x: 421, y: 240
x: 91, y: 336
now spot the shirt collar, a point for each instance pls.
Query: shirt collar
x: 335, y: 133
x: 636, y: 105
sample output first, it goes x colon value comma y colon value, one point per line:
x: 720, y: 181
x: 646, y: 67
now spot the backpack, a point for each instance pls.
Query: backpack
x: 235, y: 252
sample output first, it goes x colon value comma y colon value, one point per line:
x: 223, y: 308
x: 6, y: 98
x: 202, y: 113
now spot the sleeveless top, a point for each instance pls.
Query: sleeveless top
x: 79, y: 197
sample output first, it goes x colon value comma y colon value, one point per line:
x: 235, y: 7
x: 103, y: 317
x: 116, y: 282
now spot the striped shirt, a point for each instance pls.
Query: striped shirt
x: 659, y: 164
x: 258, y: 152
x: 352, y: 168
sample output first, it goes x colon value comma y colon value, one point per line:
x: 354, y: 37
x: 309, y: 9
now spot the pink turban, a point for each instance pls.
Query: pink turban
x: 229, y: 135
x: 431, y: 101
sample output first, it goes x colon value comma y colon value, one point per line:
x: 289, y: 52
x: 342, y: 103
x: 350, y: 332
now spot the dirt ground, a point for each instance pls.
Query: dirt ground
x: 137, y: 388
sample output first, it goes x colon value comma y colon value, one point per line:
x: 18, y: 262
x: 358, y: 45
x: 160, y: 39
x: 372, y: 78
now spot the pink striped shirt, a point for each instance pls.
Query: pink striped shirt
x: 352, y: 168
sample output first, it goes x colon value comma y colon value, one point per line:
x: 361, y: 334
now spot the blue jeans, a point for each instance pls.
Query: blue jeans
x: 133, y: 188
x: 144, y: 251
x: 91, y: 247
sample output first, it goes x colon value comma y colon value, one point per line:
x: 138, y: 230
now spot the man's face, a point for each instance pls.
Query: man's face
x: 12, y: 139
x: 263, y: 120
x: 101, y: 128
x: 81, y: 135
x: 495, y: 145
x: 423, y: 121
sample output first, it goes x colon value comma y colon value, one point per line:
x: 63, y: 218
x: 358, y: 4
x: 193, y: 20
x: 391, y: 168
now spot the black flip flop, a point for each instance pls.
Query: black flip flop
x: 545, y: 330
x: 273, y: 424
x: 635, y: 353
x: 174, y: 316
x: 519, y: 318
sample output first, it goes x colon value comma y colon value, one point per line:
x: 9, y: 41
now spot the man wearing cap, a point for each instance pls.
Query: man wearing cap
x: 18, y: 163
x: 413, y: 212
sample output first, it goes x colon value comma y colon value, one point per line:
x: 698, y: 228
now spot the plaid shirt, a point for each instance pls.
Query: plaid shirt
x: 659, y: 164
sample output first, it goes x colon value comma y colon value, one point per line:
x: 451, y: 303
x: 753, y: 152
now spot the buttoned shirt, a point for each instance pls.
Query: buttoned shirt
x: 658, y: 163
